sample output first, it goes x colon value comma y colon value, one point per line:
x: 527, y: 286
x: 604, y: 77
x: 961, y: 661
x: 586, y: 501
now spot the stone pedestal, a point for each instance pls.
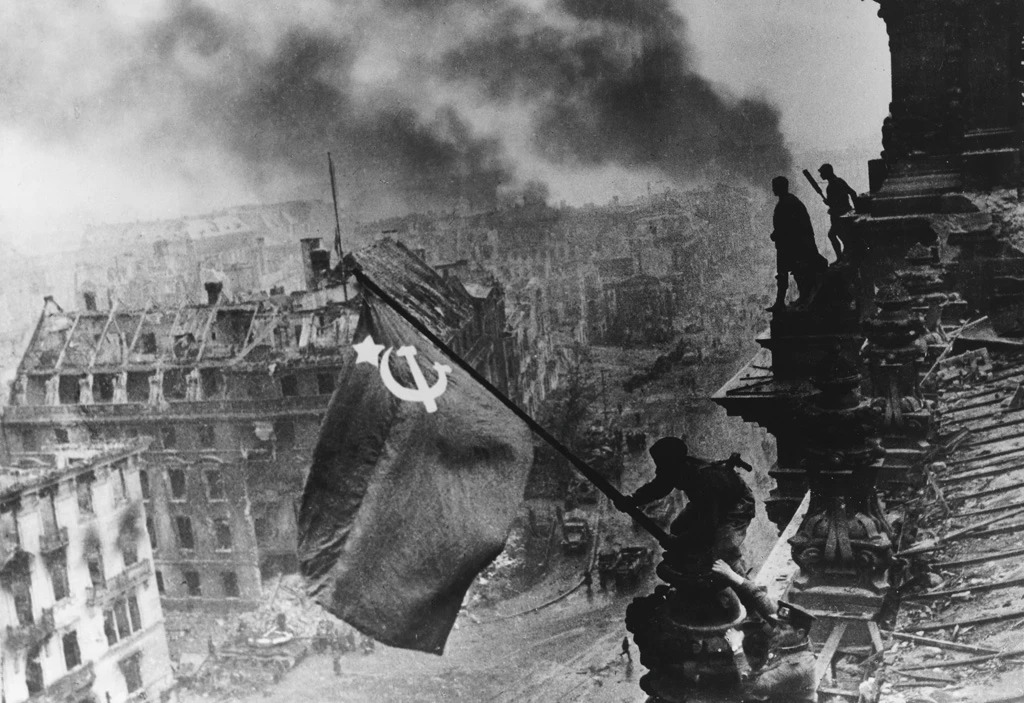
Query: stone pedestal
x: 680, y: 632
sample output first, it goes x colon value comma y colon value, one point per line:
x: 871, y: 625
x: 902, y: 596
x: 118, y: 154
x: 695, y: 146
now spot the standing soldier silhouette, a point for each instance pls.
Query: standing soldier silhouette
x: 795, y: 250
x: 839, y: 197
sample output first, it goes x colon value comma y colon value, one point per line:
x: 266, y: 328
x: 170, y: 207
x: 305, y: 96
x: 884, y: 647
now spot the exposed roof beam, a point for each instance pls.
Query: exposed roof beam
x: 263, y: 333
x: 135, y: 336
x: 103, y: 335
x: 67, y: 343
x: 206, y: 330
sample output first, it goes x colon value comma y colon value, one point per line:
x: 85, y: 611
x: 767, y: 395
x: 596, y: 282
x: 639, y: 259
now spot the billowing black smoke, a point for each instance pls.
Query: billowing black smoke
x: 290, y: 114
x: 616, y: 85
x: 423, y: 103
x: 292, y: 108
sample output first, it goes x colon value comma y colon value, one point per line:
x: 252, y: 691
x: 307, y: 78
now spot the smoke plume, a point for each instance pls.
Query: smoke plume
x: 423, y: 103
x: 616, y: 84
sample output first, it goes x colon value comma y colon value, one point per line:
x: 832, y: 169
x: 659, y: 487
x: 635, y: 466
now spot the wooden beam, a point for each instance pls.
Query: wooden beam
x: 988, y: 492
x: 970, y: 661
x: 252, y: 323
x: 1007, y: 465
x: 962, y: 533
x: 206, y: 330
x: 980, y: 559
x: 268, y: 329
x: 876, y: 636
x: 828, y: 650
x: 174, y: 326
x: 942, y: 644
x: 135, y: 335
x: 778, y: 567
x: 964, y: 622
x: 988, y: 511
x: 67, y: 343
x: 103, y: 335
x: 980, y: 588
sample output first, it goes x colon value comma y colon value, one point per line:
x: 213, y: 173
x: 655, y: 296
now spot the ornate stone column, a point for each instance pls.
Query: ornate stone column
x: 843, y: 547
x: 896, y: 355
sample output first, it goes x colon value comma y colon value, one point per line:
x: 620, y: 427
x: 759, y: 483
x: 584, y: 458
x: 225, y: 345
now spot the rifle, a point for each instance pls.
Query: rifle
x: 814, y: 184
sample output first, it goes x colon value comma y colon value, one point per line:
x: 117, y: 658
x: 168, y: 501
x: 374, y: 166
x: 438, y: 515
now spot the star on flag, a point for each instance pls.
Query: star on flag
x: 368, y: 351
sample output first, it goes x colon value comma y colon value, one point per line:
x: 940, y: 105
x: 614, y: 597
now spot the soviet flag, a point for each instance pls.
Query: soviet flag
x: 416, y: 477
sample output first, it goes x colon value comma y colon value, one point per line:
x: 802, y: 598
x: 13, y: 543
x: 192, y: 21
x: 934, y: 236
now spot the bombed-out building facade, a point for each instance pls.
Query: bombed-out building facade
x: 78, y: 587
x: 231, y: 393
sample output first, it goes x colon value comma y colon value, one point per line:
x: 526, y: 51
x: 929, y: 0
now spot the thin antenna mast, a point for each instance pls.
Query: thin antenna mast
x: 337, y: 221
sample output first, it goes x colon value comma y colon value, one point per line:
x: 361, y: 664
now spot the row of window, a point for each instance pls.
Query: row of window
x: 186, y: 538
x: 57, y: 567
x: 166, y: 437
x: 122, y: 620
x: 178, y: 481
x: 194, y: 586
x: 175, y: 386
x: 130, y: 666
x: 84, y: 488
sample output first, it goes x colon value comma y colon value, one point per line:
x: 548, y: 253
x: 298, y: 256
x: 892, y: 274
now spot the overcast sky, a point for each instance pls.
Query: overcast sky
x: 155, y: 108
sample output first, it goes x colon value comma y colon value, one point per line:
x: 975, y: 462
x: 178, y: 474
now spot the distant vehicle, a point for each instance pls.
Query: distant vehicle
x: 606, y: 561
x: 630, y: 564
x: 271, y: 639
x: 575, y: 533
x: 270, y: 654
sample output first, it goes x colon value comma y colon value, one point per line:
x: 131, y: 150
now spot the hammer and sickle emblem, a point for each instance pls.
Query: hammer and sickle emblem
x: 424, y: 392
x: 368, y: 352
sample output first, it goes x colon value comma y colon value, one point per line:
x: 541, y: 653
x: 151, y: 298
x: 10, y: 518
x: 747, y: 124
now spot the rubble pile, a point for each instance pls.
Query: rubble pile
x: 268, y: 642
x: 958, y: 632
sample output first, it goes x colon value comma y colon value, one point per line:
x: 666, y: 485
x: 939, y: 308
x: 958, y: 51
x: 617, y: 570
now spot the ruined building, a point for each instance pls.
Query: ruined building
x: 232, y: 395
x: 77, y: 582
x: 166, y: 262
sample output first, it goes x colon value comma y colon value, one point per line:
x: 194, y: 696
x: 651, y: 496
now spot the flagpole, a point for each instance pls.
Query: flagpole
x: 602, y: 484
x: 337, y: 219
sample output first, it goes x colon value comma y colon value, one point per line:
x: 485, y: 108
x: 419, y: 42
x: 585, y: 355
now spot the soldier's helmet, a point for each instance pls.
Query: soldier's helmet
x: 668, y: 450
x: 797, y: 617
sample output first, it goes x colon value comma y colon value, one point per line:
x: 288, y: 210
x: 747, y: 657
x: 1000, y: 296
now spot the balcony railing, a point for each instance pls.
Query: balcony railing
x: 27, y: 636
x: 115, y: 586
x: 51, y: 542
x: 72, y: 686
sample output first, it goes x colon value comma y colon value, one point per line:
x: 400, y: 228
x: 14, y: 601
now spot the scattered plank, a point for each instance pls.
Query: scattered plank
x: 985, y: 469
x: 1015, y: 527
x: 828, y: 691
x: 965, y: 662
x: 980, y: 559
x: 986, y: 493
x: 981, y: 588
x: 828, y: 650
x: 923, y: 677
x: 876, y: 636
x: 980, y: 620
x: 942, y: 644
x: 988, y: 511
x: 964, y: 532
